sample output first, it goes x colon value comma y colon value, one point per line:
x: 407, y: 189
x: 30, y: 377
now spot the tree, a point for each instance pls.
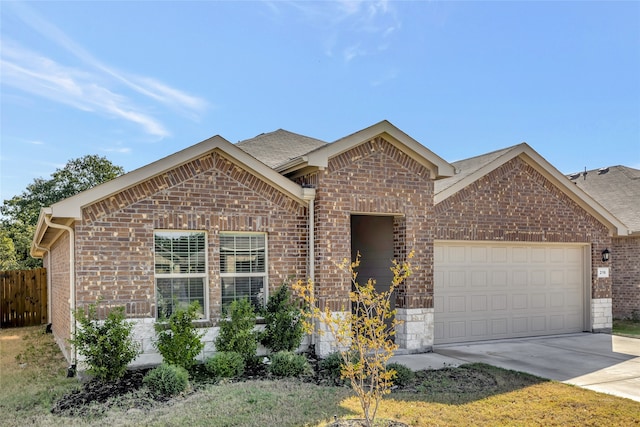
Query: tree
x: 7, y: 252
x: 364, y: 336
x: 19, y: 215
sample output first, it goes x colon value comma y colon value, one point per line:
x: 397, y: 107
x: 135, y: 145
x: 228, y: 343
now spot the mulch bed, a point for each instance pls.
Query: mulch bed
x: 96, y: 396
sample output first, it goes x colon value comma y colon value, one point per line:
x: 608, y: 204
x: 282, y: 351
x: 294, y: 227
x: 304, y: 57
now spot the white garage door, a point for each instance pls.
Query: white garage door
x: 486, y: 290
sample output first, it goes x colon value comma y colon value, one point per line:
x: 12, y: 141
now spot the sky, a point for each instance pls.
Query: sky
x: 137, y: 81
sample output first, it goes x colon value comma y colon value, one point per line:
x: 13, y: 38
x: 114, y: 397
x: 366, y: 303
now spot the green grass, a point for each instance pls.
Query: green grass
x: 476, y: 394
x: 627, y: 328
x: 32, y: 374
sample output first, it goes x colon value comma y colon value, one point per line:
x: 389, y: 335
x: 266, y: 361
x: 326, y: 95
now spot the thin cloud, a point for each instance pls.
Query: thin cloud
x: 119, y: 150
x: 45, y: 77
x: 350, y: 29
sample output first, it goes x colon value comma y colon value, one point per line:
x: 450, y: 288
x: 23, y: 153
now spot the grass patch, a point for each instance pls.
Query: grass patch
x: 627, y: 328
x: 477, y: 394
x: 32, y: 375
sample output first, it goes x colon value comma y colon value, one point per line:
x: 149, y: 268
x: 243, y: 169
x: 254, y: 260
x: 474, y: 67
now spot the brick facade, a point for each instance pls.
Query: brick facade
x: 115, y: 240
x: 60, y: 310
x: 516, y: 203
x: 625, y: 263
x: 372, y: 178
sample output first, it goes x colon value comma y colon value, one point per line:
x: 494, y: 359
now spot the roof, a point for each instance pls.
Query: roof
x: 465, y: 168
x: 474, y: 168
x: 617, y: 188
x: 319, y: 157
x: 279, y: 147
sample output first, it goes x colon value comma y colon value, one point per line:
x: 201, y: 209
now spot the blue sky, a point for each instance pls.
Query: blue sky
x: 137, y: 81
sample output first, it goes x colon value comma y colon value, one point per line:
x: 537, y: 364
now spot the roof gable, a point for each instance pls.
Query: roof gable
x: 320, y: 156
x: 72, y: 206
x: 472, y: 169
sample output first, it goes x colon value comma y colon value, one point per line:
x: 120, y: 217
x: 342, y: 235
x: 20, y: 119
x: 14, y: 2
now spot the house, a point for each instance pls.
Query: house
x: 505, y: 245
x: 617, y: 188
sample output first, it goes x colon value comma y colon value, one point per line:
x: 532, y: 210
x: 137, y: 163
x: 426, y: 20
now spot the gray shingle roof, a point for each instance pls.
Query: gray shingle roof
x: 466, y: 167
x: 617, y: 188
x: 278, y: 147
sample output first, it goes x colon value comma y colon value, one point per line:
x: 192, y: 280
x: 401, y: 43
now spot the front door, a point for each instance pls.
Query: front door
x: 372, y: 237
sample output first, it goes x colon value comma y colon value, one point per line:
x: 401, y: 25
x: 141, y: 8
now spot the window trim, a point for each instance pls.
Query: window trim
x: 265, y: 275
x: 204, y: 276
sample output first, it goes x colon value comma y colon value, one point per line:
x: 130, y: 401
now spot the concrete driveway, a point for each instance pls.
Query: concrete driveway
x: 600, y: 362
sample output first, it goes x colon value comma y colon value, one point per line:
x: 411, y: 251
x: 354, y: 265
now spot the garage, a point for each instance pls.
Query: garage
x: 490, y: 290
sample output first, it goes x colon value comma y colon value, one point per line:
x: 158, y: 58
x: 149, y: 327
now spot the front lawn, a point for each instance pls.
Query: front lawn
x: 476, y: 394
x: 627, y: 328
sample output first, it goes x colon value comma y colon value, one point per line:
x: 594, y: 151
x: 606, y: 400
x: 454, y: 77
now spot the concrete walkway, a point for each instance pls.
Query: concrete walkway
x: 600, y: 362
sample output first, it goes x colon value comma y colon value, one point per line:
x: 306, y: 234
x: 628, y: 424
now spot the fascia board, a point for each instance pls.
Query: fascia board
x: 41, y: 228
x: 72, y: 206
x: 320, y: 157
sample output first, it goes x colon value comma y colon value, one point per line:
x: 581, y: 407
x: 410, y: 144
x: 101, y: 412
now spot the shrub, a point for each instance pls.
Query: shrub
x: 178, y: 340
x: 167, y: 380
x: 225, y: 364
x: 365, y: 333
x: 332, y: 364
x: 107, y: 346
x: 288, y: 364
x: 236, y: 333
x: 283, y: 330
x: 403, y: 375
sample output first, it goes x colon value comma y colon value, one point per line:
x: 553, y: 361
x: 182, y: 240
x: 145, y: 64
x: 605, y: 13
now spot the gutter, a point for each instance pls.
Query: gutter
x: 72, y: 282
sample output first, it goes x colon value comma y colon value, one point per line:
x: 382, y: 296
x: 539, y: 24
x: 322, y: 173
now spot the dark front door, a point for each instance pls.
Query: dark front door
x: 372, y: 236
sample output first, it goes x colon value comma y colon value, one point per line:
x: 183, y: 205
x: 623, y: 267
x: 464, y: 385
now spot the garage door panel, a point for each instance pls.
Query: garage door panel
x: 502, y: 290
x: 538, y: 301
x: 457, y: 329
x: 520, y: 302
x: 479, y: 254
x: 479, y: 328
x: 457, y: 304
x: 479, y: 303
x: 500, y: 278
x: 538, y: 323
x: 520, y: 325
x: 479, y: 279
x: 499, y: 327
x: 499, y: 302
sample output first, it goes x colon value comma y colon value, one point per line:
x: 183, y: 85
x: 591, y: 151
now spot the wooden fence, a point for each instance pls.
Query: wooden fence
x: 23, y: 297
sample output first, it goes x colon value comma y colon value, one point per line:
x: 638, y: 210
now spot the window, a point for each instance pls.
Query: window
x: 243, y: 268
x: 181, y: 270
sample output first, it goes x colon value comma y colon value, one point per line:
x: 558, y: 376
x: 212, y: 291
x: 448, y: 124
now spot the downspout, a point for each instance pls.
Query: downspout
x: 309, y: 195
x: 72, y: 286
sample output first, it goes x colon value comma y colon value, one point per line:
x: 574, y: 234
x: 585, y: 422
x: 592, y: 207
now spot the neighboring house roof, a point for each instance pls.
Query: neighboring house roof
x: 319, y: 157
x: 472, y: 169
x: 617, y: 188
x: 279, y: 147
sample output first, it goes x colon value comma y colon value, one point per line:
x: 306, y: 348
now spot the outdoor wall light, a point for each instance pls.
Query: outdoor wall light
x: 605, y: 255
